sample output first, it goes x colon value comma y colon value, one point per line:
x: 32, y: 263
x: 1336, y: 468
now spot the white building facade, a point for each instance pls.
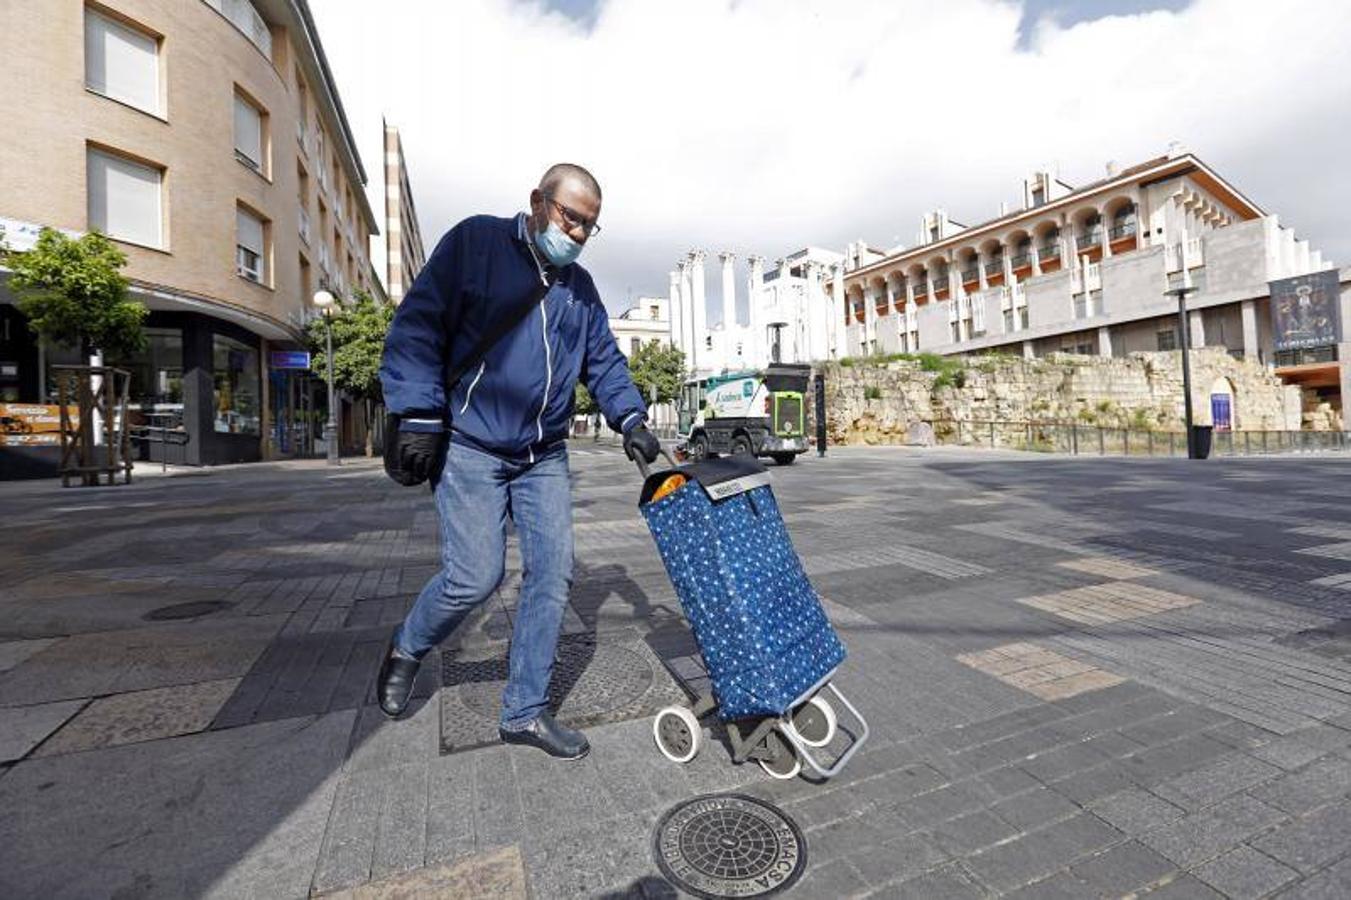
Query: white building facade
x: 1085, y: 270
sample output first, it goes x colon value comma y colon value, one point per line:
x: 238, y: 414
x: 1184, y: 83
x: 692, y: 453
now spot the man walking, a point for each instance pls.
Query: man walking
x: 494, y: 443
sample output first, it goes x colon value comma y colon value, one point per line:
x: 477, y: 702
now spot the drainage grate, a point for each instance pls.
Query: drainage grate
x: 187, y: 610
x: 729, y: 845
x: 612, y: 680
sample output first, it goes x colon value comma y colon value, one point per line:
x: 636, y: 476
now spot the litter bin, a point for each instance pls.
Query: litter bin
x: 1201, y: 437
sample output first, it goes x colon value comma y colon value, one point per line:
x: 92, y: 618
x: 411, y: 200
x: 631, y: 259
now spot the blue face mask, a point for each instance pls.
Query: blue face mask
x: 556, y: 246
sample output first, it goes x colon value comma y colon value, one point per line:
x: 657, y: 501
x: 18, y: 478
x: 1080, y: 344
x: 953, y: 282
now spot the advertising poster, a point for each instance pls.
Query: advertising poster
x: 1305, y: 311
x: 31, y: 424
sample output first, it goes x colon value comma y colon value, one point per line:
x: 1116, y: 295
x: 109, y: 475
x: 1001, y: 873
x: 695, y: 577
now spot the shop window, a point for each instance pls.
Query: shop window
x: 121, y: 62
x: 156, y: 394
x: 235, y: 366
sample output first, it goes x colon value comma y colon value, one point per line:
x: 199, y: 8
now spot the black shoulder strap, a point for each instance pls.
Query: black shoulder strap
x: 497, y: 330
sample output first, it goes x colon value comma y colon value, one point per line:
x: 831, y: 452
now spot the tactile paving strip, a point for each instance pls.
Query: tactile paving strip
x: 1041, y: 672
x: 1116, y: 601
x: 613, y: 678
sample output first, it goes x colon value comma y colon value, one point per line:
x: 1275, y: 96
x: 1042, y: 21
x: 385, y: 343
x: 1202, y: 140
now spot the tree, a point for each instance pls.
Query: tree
x: 583, y: 404
x: 359, y: 330
x: 659, y: 365
x: 73, y: 293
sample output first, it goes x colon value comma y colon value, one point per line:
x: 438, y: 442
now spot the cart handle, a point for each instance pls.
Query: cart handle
x: 643, y: 464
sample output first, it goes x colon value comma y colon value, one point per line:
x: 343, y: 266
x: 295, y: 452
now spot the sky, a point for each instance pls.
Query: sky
x: 760, y: 126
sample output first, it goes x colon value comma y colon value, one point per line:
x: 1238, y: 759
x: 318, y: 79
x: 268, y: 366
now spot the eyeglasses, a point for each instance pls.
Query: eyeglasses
x: 575, y: 219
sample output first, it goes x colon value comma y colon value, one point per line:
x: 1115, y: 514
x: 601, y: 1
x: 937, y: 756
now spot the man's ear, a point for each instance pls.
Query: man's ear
x: 536, y: 208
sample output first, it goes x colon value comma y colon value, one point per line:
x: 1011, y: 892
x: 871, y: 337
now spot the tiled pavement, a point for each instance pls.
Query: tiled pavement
x: 1085, y: 678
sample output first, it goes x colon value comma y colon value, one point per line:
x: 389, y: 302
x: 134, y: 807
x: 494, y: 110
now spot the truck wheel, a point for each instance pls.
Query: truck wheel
x: 698, y: 447
x: 785, y: 459
x: 741, y: 446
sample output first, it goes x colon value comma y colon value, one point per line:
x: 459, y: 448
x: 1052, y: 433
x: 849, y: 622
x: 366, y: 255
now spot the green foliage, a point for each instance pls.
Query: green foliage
x: 359, y: 330
x: 658, y: 365
x: 583, y: 404
x: 1141, y: 420
x: 954, y: 377
x: 1104, y: 406
x: 872, y: 392
x: 847, y: 362
x: 73, y: 293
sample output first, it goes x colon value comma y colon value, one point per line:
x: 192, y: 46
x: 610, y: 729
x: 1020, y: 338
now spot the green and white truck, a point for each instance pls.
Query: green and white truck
x: 760, y: 413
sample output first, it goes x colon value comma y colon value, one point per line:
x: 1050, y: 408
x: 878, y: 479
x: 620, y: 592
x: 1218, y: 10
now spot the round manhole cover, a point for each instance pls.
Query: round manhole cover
x: 187, y: 610
x: 588, y: 680
x: 729, y: 845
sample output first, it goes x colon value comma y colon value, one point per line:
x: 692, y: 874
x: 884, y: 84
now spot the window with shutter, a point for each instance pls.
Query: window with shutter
x: 248, y: 134
x: 124, y: 198
x: 250, y: 251
x: 121, y: 62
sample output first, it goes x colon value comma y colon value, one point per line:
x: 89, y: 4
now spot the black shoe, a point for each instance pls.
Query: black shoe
x: 394, y: 686
x: 549, y: 736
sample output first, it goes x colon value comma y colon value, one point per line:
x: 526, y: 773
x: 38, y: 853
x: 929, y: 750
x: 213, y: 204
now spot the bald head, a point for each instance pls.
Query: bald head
x: 560, y: 174
x: 568, y: 196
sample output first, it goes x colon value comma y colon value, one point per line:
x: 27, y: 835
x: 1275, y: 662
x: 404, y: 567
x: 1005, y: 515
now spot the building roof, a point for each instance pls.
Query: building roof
x: 1148, y: 172
x: 300, y: 9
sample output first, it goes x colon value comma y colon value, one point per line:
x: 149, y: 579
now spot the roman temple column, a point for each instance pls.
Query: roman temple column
x: 701, y: 356
x: 673, y: 311
x: 755, y: 319
x: 729, y: 326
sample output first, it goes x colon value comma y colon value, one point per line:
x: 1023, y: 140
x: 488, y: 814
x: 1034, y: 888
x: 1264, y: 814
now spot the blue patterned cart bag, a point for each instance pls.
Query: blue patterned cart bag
x: 764, y: 637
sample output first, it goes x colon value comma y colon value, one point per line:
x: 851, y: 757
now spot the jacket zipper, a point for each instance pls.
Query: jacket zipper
x: 473, y: 384
x: 548, y: 374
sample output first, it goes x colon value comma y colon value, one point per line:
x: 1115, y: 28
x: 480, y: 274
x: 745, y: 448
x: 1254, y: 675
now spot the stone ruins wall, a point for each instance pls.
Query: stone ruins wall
x: 871, y: 403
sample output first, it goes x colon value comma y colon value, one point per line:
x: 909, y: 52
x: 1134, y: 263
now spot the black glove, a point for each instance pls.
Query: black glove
x: 640, y: 440
x: 411, y: 457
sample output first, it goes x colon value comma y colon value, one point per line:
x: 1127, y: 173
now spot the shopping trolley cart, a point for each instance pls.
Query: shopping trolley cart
x: 767, y: 645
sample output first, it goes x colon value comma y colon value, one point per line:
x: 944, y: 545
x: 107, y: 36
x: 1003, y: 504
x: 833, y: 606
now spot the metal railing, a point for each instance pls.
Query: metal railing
x: 1083, y: 439
x: 1122, y: 231
x: 994, y: 266
x: 1021, y: 260
x: 1045, y: 253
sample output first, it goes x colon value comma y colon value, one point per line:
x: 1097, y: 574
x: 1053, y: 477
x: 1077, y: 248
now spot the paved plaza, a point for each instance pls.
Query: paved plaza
x: 1084, y: 677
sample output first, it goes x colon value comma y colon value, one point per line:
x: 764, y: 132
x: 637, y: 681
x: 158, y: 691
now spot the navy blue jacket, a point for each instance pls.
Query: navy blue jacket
x: 519, y: 400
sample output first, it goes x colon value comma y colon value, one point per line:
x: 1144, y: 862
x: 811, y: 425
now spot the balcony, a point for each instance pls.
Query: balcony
x: 304, y: 225
x: 921, y: 290
x: 1090, y: 239
x: 1124, y: 230
x: 970, y: 275
x: 1048, y: 252
x: 242, y: 15
x: 1191, y: 253
x: 995, y: 266
x: 1022, y: 261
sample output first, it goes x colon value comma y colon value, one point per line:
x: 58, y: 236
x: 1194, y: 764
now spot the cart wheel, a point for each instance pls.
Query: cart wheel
x: 815, y: 722
x: 677, y: 733
x: 784, y: 765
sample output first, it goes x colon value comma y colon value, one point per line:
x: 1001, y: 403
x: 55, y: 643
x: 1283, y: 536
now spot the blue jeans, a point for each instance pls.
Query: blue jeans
x: 473, y: 499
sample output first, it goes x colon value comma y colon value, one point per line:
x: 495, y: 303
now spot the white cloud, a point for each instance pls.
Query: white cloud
x: 761, y: 127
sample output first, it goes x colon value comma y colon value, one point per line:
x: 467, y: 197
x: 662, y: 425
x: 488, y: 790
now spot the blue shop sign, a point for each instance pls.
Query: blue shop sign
x: 289, y: 359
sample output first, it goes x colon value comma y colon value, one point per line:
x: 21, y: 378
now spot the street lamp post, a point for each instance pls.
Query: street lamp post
x: 324, y: 300
x: 1184, y: 332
